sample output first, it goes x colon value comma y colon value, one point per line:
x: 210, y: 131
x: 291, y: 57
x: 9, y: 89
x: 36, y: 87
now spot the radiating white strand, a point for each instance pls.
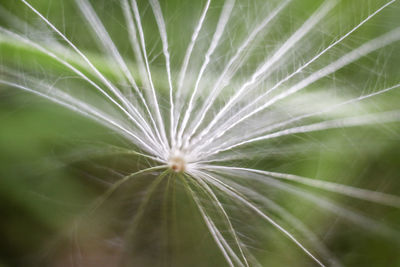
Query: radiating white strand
x: 87, y: 111
x: 384, y: 117
x: 131, y: 230
x: 223, y: 20
x: 293, y: 221
x: 57, y: 93
x: 204, y: 186
x: 301, y: 117
x: 208, y: 191
x: 80, y: 74
x: 191, y: 45
x: 345, y: 60
x: 100, y: 149
x: 125, y: 179
x: 153, y: 91
x: 29, y: 84
x: 234, y: 120
x: 127, y: 10
x: 188, y: 54
x: 133, y: 39
x: 90, y: 15
x: 222, y: 80
x: 25, y: 27
x: 96, y: 71
x: 218, y: 238
x: 230, y: 191
x: 288, y: 217
x: 267, y: 152
x: 64, y: 100
x: 164, y: 38
x: 261, y: 71
x: 106, y: 41
x: 354, y: 192
x: 322, y: 202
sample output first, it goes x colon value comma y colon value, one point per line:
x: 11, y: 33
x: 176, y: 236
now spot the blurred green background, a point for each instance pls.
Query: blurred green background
x: 54, y: 163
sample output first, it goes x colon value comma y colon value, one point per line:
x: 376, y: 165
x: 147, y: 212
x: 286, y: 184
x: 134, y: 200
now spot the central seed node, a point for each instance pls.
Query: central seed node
x: 177, y: 162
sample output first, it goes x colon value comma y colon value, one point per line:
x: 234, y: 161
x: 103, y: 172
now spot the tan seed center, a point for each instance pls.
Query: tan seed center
x: 177, y: 164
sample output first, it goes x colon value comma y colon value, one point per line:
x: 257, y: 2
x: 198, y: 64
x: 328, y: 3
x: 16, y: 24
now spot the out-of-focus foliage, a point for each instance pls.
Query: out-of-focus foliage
x: 54, y: 163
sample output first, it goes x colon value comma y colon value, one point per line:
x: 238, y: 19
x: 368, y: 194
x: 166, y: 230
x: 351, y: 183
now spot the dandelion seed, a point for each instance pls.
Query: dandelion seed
x: 222, y: 106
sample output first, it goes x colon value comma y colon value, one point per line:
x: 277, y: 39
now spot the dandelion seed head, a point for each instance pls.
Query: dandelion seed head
x: 237, y: 97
